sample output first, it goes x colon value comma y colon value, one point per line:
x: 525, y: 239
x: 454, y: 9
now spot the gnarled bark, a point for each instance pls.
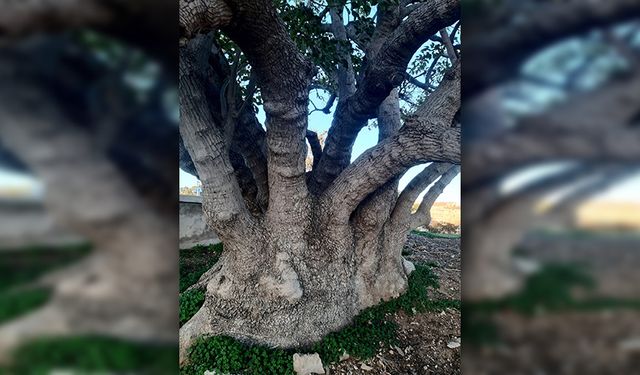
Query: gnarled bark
x: 123, y: 288
x: 307, y: 265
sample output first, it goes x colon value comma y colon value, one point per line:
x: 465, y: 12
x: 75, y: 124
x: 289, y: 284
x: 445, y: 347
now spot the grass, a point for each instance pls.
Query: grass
x: 93, y: 354
x: 81, y: 354
x: 196, y: 261
x: 190, y: 302
x: 551, y: 289
x: 371, y: 329
x: 193, y: 263
x: 583, y: 233
x: 435, y: 235
x: 20, y: 266
x: 229, y: 356
x: 14, y: 304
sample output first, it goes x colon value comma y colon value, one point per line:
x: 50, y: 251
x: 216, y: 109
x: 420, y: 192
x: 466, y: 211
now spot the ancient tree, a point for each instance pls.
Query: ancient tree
x: 592, y: 128
x: 306, y: 250
x: 104, y: 149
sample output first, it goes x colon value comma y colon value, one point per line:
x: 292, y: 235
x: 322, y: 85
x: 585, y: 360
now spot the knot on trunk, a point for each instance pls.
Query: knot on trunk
x: 285, y: 284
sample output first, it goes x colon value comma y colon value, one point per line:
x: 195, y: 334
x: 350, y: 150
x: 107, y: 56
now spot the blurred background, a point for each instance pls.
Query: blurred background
x: 88, y: 189
x: 551, y: 182
x: 551, y: 187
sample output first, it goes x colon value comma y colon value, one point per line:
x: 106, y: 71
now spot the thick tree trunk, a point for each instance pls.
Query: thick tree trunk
x: 325, y: 247
x: 126, y: 287
x: 286, y: 292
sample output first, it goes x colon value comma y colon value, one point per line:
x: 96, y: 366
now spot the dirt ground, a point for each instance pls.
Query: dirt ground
x: 424, y: 339
x: 587, y: 342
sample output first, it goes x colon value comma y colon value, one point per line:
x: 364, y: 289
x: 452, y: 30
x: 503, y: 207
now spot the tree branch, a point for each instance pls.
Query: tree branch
x: 381, y: 76
x: 401, y: 215
x: 589, y: 127
x: 373, y: 212
x: 428, y: 136
x: 527, y: 30
x: 423, y: 215
x: 451, y: 51
x: 186, y: 164
x: 316, y: 148
x: 423, y: 85
x: 224, y: 206
x: 344, y: 70
x: 202, y: 16
x: 283, y: 76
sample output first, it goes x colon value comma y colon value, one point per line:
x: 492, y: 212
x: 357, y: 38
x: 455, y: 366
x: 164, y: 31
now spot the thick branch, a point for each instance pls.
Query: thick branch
x: 375, y: 209
x: 197, y: 16
x: 423, y: 215
x: 316, y: 148
x: 249, y: 141
x: 246, y: 182
x: 283, y: 76
x: 344, y: 71
x: 429, y: 136
x: 186, y: 164
x: 596, y: 126
x: 402, y: 210
x: 224, y: 207
x: 248, y: 138
x: 382, y: 74
x: 142, y: 23
x: 511, y: 41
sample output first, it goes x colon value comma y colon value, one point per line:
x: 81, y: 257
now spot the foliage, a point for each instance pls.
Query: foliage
x: 19, y: 266
x: 308, y: 23
x: 362, y: 338
x: 229, y: 356
x: 93, y: 354
x: 190, y: 303
x: 16, y: 303
x: 434, y: 235
x: 24, y: 265
x: 549, y: 290
x: 196, y: 261
x: 193, y: 263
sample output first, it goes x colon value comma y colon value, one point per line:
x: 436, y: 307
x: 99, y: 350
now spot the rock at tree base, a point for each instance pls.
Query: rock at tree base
x: 306, y: 364
x: 408, y: 266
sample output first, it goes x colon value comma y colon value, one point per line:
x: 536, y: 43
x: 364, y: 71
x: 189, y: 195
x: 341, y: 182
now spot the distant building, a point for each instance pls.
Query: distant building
x: 198, y: 189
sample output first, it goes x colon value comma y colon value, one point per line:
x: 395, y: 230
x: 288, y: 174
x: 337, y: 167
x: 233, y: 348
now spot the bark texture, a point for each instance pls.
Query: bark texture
x: 593, y: 129
x: 111, y: 196
x: 323, y: 247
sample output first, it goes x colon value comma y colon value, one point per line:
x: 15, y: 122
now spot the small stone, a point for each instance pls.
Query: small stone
x: 399, y: 350
x: 307, y: 364
x: 366, y: 368
x: 408, y: 266
x: 455, y: 343
x: 344, y: 356
x: 632, y: 345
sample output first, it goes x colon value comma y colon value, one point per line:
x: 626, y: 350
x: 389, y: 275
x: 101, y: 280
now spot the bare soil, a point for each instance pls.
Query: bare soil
x: 587, y: 342
x: 423, y: 337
